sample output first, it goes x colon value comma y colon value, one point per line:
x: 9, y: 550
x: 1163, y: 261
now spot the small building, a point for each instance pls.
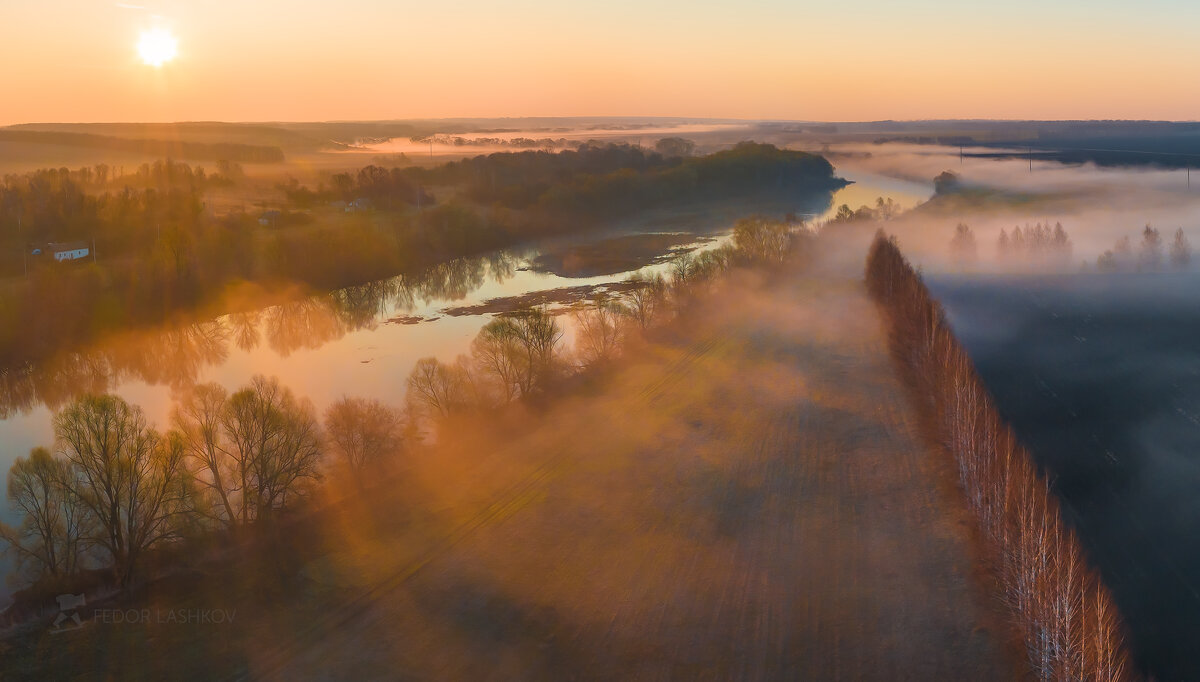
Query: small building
x: 269, y: 218
x: 359, y: 204
x: 68, y: 251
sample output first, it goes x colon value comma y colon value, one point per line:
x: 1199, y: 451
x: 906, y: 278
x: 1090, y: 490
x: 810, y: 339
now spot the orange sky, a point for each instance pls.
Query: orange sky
x: 70, y: 60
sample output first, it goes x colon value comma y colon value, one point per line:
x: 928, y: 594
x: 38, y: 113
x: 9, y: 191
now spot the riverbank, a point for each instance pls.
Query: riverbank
x: 745, y: 497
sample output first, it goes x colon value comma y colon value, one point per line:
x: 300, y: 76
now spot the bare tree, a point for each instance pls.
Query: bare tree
x: 1150, y: 256
x: 275, y: 443
x: 1123, y: 248
x: 200, y: 418
x: 1181, y: 250
x: 249, y: 453
x: 126, y: 476
x: 1060, y: 243
x: 497, y: 354
x: 687, y: 280
x: 886, y: 209
x: 646, y: 300
x: 363, y: 432
x: 962, y: 245
x: 531, y: 336
x: 436, y: 389
x: 539, y: 335
x: 599, y: 330
x: 1017, y: 242
x: 760, y: 240
x: 51, y: 537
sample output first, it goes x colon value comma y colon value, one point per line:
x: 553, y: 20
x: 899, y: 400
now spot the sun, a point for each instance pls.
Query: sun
x: 156, y: 47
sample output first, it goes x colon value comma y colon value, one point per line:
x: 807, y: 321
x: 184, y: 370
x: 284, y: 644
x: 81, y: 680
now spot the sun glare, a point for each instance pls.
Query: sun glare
x: 156, y: 47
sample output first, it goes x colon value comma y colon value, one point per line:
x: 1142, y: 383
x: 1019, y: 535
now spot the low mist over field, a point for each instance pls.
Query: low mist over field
x: 754, y: 341
x: 1097, y: 375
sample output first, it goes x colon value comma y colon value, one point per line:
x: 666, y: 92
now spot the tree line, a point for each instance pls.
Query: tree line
x: 248, y: 153
x: 1038, y: 245
x: 1043, y: 245
x: 1071, y: 628
x: 595, y: 179
x: 386, y: 188
x: 884, y: 209
x: 59, y: 204
x: 116, y: 488
x: 1149, y: 255
x: 748, y: 167
x: 160, y: 251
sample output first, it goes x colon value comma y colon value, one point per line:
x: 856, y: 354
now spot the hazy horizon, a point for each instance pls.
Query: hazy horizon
x: 584, y: 117
x: 766, y: 340
x: 368, y: 60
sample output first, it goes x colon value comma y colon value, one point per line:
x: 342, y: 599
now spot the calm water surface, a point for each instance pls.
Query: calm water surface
x: 323, y: 347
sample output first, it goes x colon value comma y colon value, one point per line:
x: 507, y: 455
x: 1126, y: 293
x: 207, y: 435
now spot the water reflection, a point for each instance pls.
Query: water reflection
x: 175, y: 356
x: 454, y: 280
x: 244, y: 327
x: 179, y: 355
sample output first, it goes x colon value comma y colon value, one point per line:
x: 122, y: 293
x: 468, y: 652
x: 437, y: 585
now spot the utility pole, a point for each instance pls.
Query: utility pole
x: 960, y: 154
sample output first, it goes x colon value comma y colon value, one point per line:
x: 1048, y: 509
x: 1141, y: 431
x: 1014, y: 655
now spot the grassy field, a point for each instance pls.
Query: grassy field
x: 747, y: 499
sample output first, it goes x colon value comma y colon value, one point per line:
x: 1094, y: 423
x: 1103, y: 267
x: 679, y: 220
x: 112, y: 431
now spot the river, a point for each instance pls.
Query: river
x: 361, y: 341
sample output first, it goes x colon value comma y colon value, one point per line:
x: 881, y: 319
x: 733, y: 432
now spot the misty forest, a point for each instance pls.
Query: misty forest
x: 566, y: 342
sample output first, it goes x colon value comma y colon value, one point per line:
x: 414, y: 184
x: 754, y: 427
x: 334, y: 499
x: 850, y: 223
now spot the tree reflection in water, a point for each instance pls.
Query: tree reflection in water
x: 303, y: 324
x: 244, y: 327
x: 176, y: 355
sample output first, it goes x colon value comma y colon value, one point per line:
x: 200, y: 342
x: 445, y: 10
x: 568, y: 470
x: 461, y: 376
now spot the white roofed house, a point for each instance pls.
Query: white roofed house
x: 68, y: 251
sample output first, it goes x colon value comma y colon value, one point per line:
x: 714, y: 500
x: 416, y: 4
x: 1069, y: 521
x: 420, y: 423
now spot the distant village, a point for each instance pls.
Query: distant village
x: 66, y: 252
x: 62, y: 252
